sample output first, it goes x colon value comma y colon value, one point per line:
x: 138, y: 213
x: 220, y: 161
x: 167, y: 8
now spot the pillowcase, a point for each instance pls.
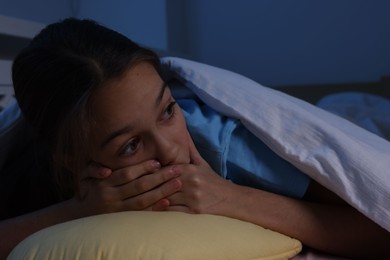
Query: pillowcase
x: 156, y: 235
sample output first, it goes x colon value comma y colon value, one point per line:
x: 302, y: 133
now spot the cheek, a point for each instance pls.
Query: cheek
x: 113, y: 162
x: 100, y: 157
x: 106, y: 157
x: 182, y: 134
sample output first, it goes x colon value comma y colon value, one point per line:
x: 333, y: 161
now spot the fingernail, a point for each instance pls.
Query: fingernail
x: 102, y: 172
x: 175, y: 171
x: 105, y: 172
x: 156, y: 164
x: 176, y: 184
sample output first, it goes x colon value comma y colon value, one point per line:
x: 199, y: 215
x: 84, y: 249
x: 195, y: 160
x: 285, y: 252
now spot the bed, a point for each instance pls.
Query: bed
x: 344, y: 133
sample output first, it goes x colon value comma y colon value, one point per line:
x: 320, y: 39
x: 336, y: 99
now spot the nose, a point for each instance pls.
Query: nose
x: 166, y: 150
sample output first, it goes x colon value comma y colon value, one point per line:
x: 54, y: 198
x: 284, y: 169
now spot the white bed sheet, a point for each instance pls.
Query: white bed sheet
x: 349, y: 160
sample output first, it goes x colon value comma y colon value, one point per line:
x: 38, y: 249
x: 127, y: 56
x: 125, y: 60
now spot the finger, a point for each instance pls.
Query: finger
x: 125, y: 175
x: 97, y: 171
x: 195, y: 157
x: 177, y: 199
x: 161, y: 205
x: 147, y: 199
x: 180, y: 208
x: 149, y: 182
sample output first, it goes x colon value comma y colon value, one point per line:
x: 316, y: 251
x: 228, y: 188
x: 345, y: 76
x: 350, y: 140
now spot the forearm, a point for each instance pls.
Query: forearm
x: 16, y: 229
x: 335, y: 229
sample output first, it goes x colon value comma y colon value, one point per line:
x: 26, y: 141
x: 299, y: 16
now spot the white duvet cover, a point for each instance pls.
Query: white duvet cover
x: 347, y: 159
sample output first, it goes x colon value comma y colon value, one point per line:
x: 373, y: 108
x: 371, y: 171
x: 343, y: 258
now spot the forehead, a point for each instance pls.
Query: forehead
x: 129, y: 98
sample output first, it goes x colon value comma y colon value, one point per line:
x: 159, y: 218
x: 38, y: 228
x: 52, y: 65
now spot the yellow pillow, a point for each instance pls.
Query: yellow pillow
x: 156, y: 235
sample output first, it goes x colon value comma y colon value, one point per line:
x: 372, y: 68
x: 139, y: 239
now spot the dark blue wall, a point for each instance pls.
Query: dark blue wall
x: 275, y: 42
x: 43, y: 11
x: 281, y: 42
x: 143, y: 21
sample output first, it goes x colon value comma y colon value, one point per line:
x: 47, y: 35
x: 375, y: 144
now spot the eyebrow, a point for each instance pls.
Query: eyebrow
x: 129, y: 127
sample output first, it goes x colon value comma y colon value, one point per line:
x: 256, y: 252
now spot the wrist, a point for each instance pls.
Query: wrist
x: 69, y: 210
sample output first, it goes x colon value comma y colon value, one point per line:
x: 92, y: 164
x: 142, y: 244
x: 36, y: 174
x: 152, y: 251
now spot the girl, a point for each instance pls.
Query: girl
x: 119, y: 141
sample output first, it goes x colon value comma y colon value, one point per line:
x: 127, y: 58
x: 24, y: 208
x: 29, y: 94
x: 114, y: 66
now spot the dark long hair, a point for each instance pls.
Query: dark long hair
x: 54, y: 77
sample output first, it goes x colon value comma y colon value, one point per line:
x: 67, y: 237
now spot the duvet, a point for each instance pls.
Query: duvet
x: 347, y: 159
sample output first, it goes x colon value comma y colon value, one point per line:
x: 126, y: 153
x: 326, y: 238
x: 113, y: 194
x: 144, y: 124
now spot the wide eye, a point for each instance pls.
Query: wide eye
x: 131, y: 147
x: 169, y: 112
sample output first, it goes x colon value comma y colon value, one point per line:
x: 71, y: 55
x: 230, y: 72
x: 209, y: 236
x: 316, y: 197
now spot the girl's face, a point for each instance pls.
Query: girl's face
x: 135, y: 119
